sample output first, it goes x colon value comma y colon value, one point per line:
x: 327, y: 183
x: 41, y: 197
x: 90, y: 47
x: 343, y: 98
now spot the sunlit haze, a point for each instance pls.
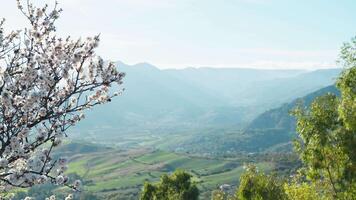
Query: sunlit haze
x: 275, y: 34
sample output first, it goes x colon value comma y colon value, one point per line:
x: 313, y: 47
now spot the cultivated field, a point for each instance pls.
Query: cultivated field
x: 121, y: 174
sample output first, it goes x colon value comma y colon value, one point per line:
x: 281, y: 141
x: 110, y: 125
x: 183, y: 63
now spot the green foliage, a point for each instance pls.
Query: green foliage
x: 218, y: 195
x: 255, y: 185
x: 347, y: 85
x: 177, y: 186
x: 301, y: 191
x: 327, y: 139
x: 326, y: 145
x: 258, y: 186
x: 221, y: 195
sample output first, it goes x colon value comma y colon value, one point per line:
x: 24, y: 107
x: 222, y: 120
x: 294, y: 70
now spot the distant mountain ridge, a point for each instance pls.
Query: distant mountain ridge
x: 164, y: 101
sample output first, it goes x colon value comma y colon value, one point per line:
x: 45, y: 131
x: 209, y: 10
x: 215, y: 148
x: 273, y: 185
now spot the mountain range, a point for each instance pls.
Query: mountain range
x: 194, y: 99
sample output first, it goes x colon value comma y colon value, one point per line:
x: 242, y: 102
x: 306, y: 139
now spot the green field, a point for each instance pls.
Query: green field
x: 122, y: 173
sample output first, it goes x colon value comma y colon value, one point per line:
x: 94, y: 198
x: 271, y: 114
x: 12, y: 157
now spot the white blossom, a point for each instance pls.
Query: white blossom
x: 3, y: 162
x: 60, y: 180
x: 69, y: 197
x: 46, y: 84
x: 77, y: 184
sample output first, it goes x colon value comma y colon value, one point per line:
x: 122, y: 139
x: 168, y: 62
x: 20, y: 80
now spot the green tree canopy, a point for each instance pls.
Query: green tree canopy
x: 177, y: 186
x: 327, y: 135
x: 326, y: 144
x: 256, y: 185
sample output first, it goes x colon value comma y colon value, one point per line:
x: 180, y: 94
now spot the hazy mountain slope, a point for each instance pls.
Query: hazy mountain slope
x: 251, y: 87
x: 272, y: 130
x: 279, y: 118
x: 279, y: 124
x: 165, y: 101
x: 153, y: 100
x: 279, y: 91
x: 230, y: 83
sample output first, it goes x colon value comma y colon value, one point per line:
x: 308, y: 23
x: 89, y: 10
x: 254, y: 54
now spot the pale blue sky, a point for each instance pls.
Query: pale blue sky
x: 216, y: 33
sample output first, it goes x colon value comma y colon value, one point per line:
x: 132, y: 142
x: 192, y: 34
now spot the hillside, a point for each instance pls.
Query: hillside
x: 272, y: 130
x: 279, y: 118
x: 280, y: 124
x: 193, y: 100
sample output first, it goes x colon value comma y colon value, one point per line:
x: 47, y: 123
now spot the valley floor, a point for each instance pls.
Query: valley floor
x: 119, y: 174
x: 114, y: 174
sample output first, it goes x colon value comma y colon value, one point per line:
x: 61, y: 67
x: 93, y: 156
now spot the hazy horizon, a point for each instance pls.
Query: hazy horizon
x: 217, y: 67
x: 259, y: 34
